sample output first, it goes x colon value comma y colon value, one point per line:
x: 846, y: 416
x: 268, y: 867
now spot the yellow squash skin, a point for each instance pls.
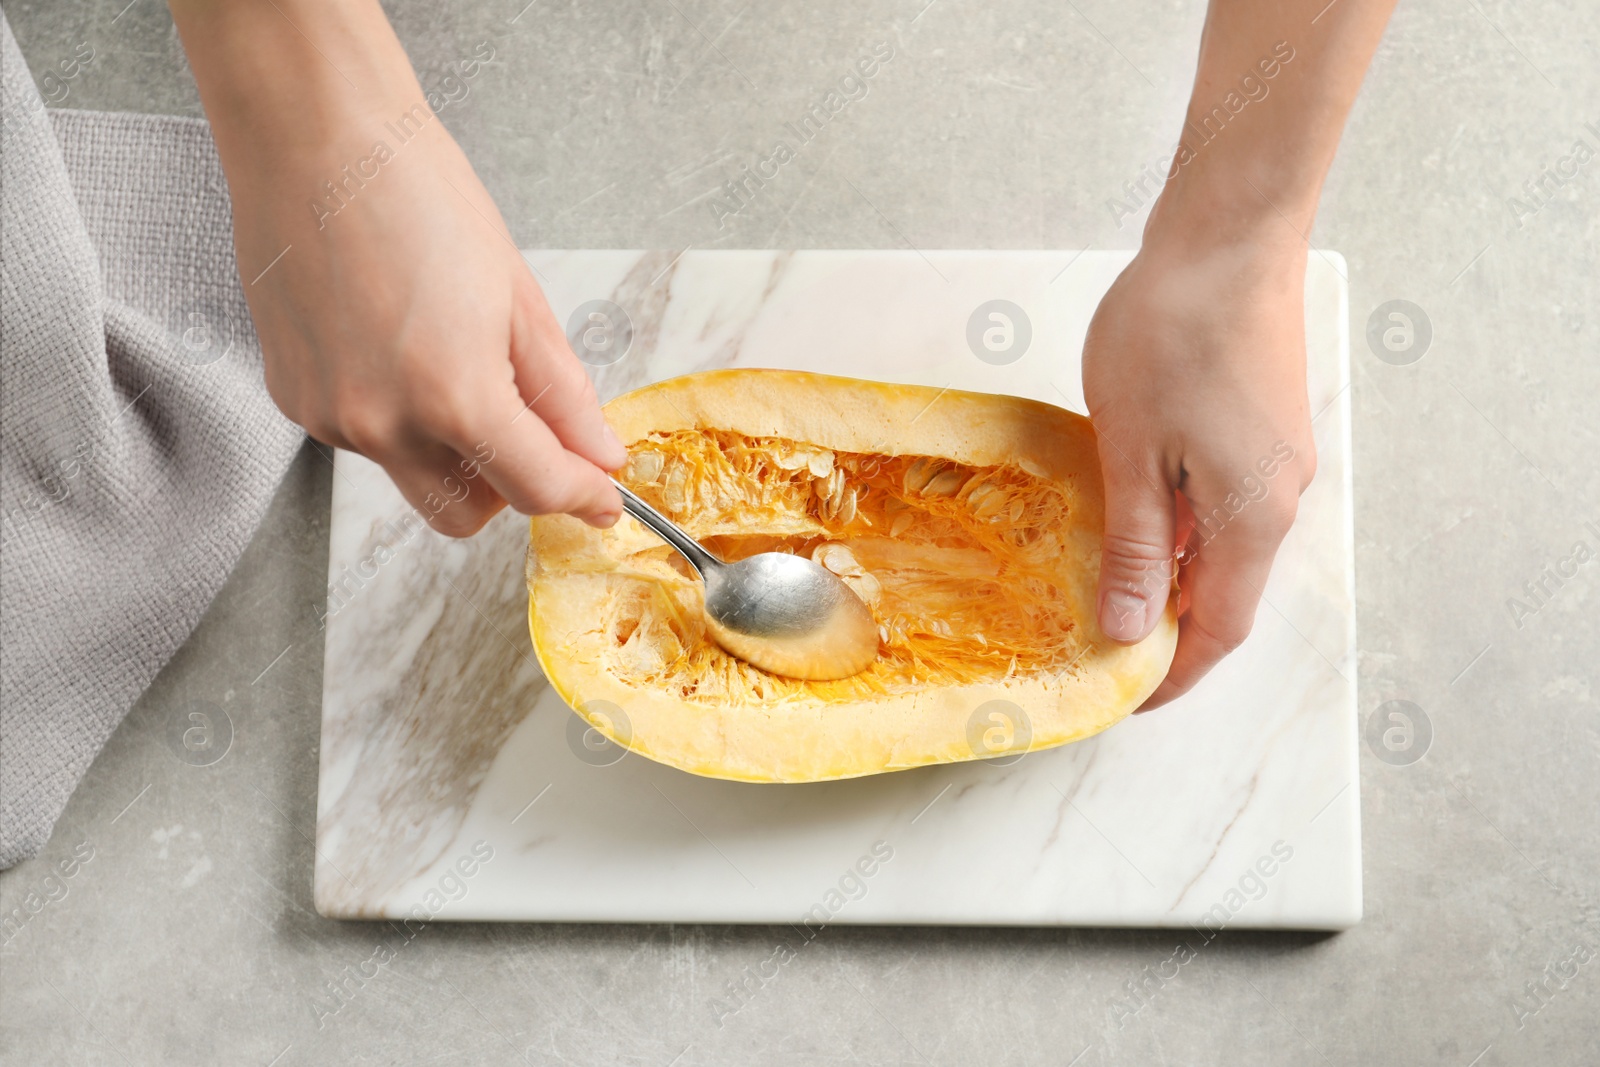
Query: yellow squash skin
x: 816, y: 731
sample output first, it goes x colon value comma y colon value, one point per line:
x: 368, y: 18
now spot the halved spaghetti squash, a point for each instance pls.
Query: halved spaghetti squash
x: 969, y: 523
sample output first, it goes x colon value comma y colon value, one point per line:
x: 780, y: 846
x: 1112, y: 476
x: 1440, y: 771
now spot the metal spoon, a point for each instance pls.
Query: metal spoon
x: 783, y: 613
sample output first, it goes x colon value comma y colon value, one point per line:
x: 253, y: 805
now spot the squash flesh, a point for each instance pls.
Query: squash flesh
x: 959, y: 563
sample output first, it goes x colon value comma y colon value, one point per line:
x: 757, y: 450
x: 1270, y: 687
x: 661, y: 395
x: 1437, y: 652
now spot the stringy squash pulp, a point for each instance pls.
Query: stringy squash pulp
x: 969, y: 523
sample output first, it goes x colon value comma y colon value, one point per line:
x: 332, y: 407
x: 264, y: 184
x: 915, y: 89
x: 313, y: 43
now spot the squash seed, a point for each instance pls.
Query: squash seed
x: 917, y: 475
x: 865, y: 586
x: 989, y: 506
x: 838, y: 559
x: 847, y: 508
x: 819, y: 488
x: 675, y: 493
x: 644, y: 467
x: 835, y: 492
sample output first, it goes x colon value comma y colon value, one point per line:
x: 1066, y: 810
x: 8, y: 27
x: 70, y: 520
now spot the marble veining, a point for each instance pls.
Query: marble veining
x: 1235, y: 806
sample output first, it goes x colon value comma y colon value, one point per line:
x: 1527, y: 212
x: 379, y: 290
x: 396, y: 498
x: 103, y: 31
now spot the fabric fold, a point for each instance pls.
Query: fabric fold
x: 138, y: 446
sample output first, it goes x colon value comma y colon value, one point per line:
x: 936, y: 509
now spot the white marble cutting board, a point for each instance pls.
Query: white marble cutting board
x: 455, y: 786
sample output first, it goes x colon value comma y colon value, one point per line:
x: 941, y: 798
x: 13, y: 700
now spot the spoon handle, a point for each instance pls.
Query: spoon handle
x: 669, y: 531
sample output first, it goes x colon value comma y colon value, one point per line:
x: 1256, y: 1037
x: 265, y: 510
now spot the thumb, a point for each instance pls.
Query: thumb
x: 1136, y: 555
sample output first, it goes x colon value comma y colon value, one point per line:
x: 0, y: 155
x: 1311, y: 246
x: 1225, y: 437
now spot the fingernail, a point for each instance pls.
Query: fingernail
x: 1122, y: 615
x: 604, y: 521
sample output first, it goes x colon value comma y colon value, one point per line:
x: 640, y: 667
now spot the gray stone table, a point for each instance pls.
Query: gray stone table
x: 188, y: 937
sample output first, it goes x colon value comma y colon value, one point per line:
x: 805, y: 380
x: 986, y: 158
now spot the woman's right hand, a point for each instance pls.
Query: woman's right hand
x: 396, y: 317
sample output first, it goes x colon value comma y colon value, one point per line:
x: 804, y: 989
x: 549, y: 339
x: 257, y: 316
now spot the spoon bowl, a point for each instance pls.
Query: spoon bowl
x: 780, y: 612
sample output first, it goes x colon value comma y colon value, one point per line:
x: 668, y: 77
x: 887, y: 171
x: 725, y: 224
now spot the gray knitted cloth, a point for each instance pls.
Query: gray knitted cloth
x: 138, y: 446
